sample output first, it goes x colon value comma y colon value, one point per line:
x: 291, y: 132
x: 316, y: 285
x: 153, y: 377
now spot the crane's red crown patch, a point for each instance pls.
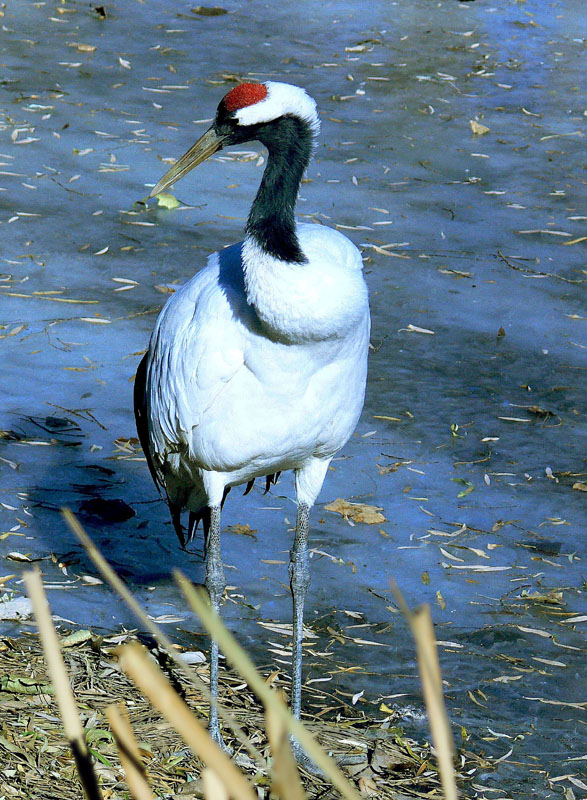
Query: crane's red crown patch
x: 247, y: 94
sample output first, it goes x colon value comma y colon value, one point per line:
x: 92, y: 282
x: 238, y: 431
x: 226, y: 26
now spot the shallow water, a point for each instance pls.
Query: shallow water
x: 474, y: 466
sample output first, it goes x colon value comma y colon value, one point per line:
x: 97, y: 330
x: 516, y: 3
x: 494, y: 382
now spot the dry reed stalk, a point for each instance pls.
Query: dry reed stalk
x: 136, y: 662
x: 422, y: 628
x: 129, y: 753
x: 162, y: 640
x: 241, y: 661
x: 72, y: 725
x: 284, y: 771
x: 212, y: 786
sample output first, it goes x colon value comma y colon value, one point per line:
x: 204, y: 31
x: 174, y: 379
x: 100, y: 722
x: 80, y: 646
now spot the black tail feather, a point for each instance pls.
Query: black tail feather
x: 271, y: 480
x: 203, y: 516
x: 175, y: 512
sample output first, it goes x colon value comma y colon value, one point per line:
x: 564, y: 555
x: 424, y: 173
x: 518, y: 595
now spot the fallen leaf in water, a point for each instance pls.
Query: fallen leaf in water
x: 452, y: 557
x: 415, y: 329
x: 540, y: 412
x: 456, y: 272
x: 580, y: 487
x: 580, y: 706
x: 357, y: 512
x: 573, y: 620
x: 477, y: 567
x: 536, y: 631
x: 209, y: 11
x: 166, y: 200
x: 15, y: 556
x: 478, y: 128
x: 243, y: 530
x: 469, y: 487
x: 549, y: 661
x: 286, y: 629
x: 552, y: 598
x: 90, y: 580
x: 166, y: 619
x: 83, y: 48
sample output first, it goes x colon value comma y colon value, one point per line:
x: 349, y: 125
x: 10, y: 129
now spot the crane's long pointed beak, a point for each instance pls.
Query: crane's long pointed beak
x: 206, y: 146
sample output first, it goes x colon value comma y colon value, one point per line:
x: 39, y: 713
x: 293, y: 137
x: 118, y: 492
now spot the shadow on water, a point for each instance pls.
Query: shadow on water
x: 472, y: 438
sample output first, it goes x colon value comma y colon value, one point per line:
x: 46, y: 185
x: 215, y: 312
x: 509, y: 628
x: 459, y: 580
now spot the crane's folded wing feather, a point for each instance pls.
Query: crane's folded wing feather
x: 196, y: 349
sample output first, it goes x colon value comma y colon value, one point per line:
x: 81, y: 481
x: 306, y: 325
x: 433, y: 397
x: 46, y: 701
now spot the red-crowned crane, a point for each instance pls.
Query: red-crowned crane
x: 258, y: 363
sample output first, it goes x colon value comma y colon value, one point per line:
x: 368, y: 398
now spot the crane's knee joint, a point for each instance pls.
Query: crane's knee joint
x: 215, y: 584
x: 299, y: 572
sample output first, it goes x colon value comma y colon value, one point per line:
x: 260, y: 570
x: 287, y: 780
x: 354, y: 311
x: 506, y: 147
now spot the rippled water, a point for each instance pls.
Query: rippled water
x: 472, y: 438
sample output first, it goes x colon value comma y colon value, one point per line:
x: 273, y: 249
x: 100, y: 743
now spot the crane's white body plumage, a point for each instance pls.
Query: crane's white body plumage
x: 256, y: 366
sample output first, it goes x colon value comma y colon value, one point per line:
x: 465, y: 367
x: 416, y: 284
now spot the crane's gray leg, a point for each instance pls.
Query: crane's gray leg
x: 309, y: 480
x: 299, y: 580
x: 215, y: 584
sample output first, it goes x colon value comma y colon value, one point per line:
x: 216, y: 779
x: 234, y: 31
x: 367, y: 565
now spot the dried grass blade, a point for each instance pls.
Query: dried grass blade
x: 162, y: 640
x: 423, y: 631
x: 152, y: 683
x: 212, y: 786
x: 63, y: 692
x: 286, y: 778
x: 241, y: 661
x: 128, y: 750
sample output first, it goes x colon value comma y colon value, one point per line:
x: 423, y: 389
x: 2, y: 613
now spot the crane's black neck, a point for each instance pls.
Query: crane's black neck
x: 271, y: 222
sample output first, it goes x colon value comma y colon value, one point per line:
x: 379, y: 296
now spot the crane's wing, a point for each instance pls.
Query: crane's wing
x: 142, y: 424
x: 197, y: 348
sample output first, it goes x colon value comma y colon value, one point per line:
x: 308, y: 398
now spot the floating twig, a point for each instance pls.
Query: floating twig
x: 527, y: 270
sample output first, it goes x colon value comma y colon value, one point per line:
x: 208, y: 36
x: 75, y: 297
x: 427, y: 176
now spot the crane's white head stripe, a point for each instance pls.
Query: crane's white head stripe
x: 281, y: 99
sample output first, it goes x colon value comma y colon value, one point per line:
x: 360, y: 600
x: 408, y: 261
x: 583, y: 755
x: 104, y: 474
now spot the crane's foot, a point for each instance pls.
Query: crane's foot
x: 215, y: 735
x: 304, y: 761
